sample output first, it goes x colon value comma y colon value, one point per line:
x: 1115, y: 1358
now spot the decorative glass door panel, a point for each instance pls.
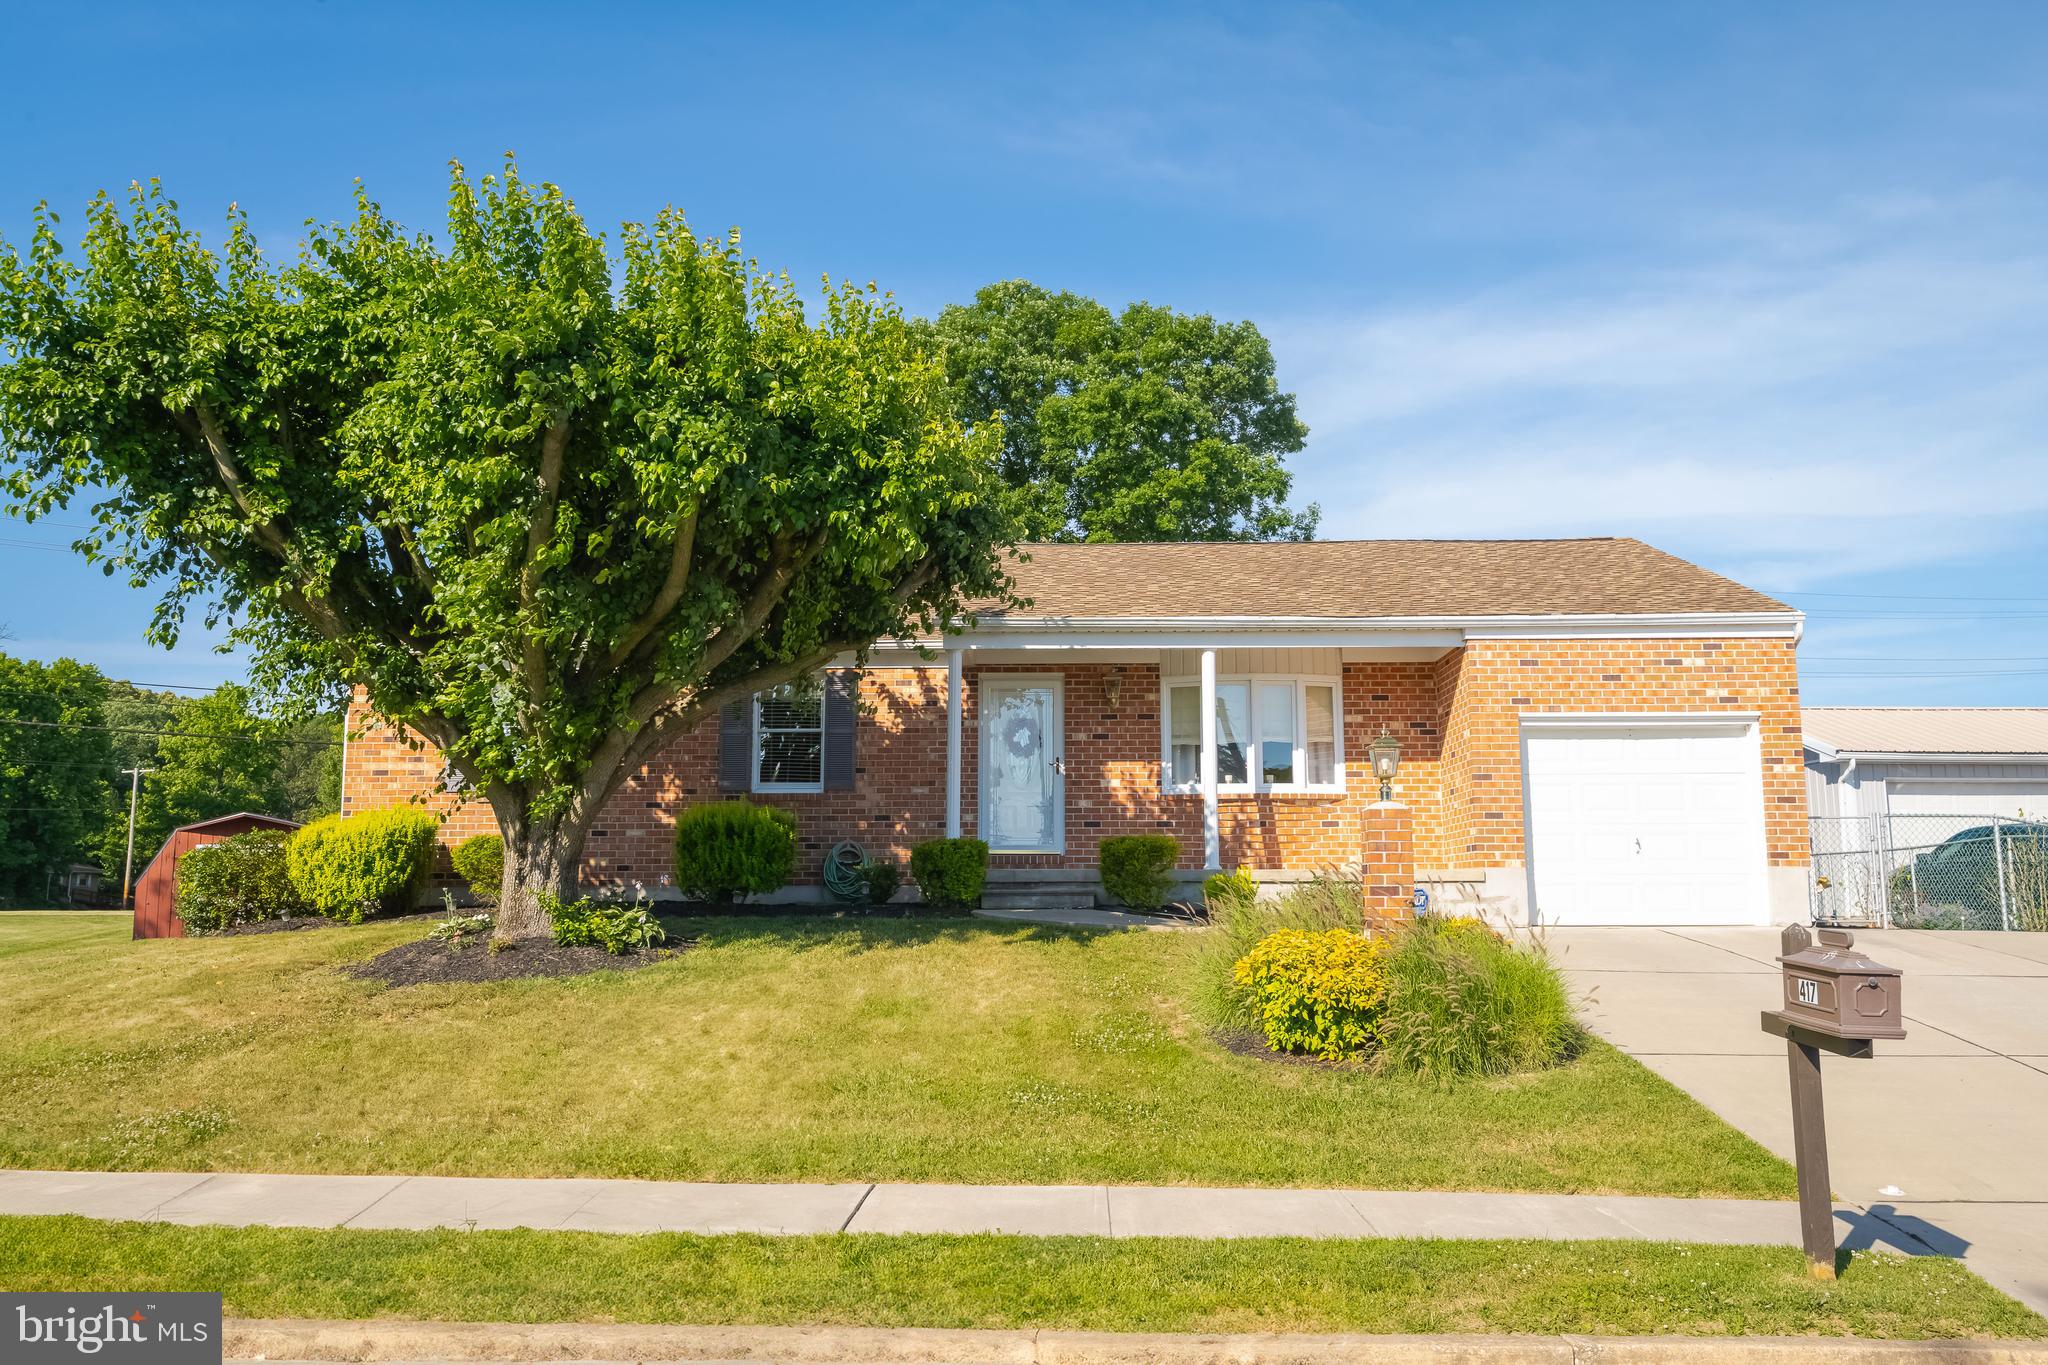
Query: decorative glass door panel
x: 1022, y: 783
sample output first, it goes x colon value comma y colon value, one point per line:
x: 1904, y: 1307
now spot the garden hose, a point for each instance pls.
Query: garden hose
x: 844, y: 869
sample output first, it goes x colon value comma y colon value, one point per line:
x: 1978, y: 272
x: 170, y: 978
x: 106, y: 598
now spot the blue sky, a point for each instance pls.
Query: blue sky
x: 1764, y: 285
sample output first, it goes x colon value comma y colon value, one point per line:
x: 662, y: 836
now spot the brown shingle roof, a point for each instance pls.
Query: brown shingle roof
x: 1930, y: 729
x: 1371, y: 578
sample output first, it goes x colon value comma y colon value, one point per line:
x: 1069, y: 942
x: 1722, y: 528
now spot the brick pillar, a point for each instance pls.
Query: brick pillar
x: 1387, y: 861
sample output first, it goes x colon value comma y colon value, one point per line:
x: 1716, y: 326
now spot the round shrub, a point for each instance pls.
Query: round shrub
x: 950, y: 872
x: 1235, y: 885
x: 240, y: 880
x: 729, y: 849
x: 881, y: 878
x: 1137, y: 868
x: 480, y: 861
x: 367, y: 863
x: 1317, y: 991
x: 1463, y: 1001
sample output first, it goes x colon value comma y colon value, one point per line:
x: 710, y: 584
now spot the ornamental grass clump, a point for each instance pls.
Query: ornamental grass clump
x: 1463, y: 1001
x: 1316, y: 991
x: 1237, y: 923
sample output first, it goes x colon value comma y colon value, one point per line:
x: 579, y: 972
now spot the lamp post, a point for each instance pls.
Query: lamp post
x: 1386, y: 761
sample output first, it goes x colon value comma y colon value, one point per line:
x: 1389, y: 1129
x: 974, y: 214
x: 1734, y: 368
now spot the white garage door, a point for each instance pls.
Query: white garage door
x: 2009, y: 799
x: 1649, y: 824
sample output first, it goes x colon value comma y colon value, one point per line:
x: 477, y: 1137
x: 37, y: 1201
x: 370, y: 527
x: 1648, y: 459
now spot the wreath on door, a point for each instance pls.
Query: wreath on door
x: 1022, y: 737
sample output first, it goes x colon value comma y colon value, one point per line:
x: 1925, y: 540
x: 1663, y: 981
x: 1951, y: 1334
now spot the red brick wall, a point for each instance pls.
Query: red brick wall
x: 1456, y: 719
x: 1490, y: 683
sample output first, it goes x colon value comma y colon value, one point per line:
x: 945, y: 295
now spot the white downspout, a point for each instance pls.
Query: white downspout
x: 953, y: 685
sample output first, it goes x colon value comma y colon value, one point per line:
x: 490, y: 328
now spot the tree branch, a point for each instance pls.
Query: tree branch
x: 540, y: 529
x: 672, y: 588
x: 761, y: 603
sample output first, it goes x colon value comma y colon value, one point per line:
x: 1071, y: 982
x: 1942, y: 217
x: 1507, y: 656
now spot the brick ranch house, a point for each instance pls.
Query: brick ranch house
x: 1590, y: 732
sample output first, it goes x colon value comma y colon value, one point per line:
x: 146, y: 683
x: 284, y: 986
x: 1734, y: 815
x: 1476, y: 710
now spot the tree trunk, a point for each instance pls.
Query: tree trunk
x: 542, y: 854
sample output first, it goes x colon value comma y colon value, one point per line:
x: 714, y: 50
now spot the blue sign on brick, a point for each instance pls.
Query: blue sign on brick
x: 1421, y: 901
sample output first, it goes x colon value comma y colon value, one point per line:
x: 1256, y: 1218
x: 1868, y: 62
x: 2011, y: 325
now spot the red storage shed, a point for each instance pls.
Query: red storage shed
x: 156, y: 891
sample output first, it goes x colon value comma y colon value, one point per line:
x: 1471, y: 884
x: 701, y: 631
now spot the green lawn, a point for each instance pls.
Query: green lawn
x: 1149, y: 1284
x: 802, y: 1048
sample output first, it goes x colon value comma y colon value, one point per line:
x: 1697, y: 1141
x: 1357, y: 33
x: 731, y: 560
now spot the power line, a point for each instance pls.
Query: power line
x: 165, y: 734
x: 1904, y: 596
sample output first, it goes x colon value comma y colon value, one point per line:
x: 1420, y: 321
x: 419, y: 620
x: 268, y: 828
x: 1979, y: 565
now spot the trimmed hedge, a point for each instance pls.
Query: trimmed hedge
x: 364, y: 865
x: 1136, y: 868
x: 480, y: 861
x: 729, y: 849
x: 950, y: 872
x: 240, y: 880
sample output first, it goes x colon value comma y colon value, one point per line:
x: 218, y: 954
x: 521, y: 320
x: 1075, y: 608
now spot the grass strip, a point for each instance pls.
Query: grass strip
x: 1125, y: 1285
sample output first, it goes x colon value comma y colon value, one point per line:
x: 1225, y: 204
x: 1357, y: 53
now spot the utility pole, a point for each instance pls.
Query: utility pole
x: 128, y: 864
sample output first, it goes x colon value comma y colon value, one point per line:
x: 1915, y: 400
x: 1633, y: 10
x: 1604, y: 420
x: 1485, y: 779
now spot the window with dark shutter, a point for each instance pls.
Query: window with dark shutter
x: 789, y: 739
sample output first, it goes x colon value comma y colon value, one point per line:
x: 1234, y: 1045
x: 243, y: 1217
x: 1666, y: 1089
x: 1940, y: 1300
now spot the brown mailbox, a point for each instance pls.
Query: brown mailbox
x: 1832, y: 988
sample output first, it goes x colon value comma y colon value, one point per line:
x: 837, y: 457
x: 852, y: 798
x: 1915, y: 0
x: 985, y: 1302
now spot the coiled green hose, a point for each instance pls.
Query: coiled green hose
x: 845, y: 871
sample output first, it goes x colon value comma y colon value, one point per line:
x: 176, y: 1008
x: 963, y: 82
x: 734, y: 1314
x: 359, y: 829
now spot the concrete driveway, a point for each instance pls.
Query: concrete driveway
x: 1944, y: 1134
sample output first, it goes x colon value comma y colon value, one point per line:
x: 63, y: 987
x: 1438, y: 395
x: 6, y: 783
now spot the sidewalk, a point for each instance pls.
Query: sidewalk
x: 366, y: 1201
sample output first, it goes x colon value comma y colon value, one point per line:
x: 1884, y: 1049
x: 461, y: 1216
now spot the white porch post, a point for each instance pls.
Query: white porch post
x: 1212, y: 838
x: 953, y: 683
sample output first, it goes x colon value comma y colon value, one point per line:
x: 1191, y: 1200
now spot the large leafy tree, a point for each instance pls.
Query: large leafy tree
x: 551, y: 504
x: 56, y: 757
x: 1144, y: 425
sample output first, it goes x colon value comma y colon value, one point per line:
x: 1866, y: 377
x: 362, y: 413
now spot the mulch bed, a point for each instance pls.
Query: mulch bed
x: 1245, y: 1043
x: 425, y: 961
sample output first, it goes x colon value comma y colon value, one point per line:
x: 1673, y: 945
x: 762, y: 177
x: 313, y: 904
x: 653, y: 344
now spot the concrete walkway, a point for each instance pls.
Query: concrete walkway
x: 369, y: 1201
x: 1941, y: 1134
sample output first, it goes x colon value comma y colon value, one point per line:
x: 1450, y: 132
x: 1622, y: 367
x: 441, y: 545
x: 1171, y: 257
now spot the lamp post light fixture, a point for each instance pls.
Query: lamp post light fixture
x: 1386, y: 761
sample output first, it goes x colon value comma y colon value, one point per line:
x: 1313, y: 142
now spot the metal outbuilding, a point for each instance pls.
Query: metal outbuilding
x: 156, y: 914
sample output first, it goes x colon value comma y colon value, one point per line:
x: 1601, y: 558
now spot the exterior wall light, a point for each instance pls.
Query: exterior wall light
x: 1113, y: 686
x: 1386, y: 761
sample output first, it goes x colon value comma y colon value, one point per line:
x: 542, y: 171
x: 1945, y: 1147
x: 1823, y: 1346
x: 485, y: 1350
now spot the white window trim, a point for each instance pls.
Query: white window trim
x: 1302, y: 682
x: 754, y: 753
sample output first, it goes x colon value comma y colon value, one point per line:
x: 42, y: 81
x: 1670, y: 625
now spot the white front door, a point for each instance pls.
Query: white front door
x: 1650, y: 824
x: 1023, y: 767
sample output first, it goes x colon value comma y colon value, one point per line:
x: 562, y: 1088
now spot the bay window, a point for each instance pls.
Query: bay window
x: 1272, y: 734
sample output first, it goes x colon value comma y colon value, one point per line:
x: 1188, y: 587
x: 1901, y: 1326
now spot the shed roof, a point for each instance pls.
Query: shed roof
x: 1362, y: 579
x: 1928, y: 729
x: 274, y: 821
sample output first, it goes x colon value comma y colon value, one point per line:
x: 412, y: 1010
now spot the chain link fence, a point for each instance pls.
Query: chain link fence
x: 1930, y: 872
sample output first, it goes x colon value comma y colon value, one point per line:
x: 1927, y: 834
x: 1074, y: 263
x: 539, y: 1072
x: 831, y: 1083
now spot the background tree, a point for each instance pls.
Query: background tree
x: 550, y: 505
x: 55, y: 762
x: 1151, y: 425
x: 213, y: 755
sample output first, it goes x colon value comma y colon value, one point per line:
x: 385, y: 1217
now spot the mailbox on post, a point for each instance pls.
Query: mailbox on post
x: 1834, y: 1000
x: 1832, y: 988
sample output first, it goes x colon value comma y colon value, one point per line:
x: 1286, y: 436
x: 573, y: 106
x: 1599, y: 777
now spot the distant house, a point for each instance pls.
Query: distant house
x: 1926, y: 760
x: 83, y: 885
x: 1590, y: 732
x: 156, y: 890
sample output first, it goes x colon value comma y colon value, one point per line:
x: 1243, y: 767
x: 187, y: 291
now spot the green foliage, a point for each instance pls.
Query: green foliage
x: 882, y: 877
x: 729, y: 849
x: 950, y: 872
x: 551, y: 505
x: 1237, y: 923
x: 1237, y: 884
x: 54, y: 772
x: 458, y: 929
x: 210, y: 756
x: 618, y: 928
x: 1463, y: 1001
x: 480, y: 861
x: 368, y: 863
x: 1317, y: 991
x: 241, y: 879
x: 1149, y: 425
x: 1137, y: 868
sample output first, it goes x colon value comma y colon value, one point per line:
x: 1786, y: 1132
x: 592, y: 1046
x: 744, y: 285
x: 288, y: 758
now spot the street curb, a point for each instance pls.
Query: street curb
x: 283, y: 1339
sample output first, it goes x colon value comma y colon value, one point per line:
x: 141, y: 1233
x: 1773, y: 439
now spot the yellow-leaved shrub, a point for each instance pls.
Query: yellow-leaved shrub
x: 1318, y: 991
